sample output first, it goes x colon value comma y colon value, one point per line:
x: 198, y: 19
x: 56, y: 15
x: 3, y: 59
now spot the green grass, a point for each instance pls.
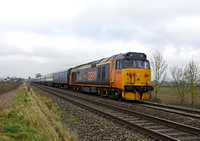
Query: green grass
x: 72, y: 119
x: 169, y: 96
x: 166, y: 90
x: 33, y: 118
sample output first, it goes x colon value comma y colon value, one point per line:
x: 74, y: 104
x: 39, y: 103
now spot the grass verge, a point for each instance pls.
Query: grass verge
x: 33, y: 118
x: 6, y: 87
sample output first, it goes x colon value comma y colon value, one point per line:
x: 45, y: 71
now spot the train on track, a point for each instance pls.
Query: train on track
x: 125, y: 75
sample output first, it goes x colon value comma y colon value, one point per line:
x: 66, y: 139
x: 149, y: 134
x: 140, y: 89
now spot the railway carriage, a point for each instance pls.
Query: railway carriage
x: 42, y: 80
x: 49, y: 78
x: 61, y: 79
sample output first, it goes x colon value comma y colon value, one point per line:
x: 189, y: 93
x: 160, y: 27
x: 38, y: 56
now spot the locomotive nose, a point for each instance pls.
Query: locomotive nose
x: 138, y: 77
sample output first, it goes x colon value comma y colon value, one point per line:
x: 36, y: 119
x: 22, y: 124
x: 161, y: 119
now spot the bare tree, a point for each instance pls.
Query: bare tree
x: 178, y: 74
x: 38, y: 75
x: 193, y: 78
x: 159, y: 67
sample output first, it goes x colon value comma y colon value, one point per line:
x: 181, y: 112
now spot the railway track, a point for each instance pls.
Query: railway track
x: 153, y: 126
x: 187, y: 112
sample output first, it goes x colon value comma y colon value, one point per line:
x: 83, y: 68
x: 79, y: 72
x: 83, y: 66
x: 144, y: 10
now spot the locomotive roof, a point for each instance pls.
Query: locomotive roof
x: 128, y: 55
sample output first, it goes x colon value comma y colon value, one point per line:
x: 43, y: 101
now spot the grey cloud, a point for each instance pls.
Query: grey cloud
x: 150, y: 23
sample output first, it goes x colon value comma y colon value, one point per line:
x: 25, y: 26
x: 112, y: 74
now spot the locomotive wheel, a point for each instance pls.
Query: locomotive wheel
x: 101, y: 93
x: 98, y: 91
x: 74, y: 89
x: 77, y: 89
x: 118, y: 93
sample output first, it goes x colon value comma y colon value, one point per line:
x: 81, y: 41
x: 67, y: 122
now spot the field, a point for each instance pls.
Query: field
x: 169, y: 96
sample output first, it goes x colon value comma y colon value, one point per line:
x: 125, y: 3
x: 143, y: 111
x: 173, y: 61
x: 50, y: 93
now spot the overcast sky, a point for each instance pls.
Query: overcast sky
x: 44, y: 36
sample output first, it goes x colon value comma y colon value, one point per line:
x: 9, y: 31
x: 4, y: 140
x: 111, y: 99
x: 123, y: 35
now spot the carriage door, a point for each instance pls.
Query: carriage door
x: 112, y: 72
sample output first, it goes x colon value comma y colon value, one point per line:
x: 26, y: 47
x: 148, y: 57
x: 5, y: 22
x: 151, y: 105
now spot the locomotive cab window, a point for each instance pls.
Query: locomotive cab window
x: 119, y: 64
x: 143, y: 64
x: 129, y: 64
x: 136, y: 64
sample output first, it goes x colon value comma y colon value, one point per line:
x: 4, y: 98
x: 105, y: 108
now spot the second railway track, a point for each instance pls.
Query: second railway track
x: 193, y: 113
x: 153, y: 126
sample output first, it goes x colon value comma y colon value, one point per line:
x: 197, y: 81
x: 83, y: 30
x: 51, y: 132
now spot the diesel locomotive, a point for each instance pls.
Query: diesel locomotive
x: 125, y: 75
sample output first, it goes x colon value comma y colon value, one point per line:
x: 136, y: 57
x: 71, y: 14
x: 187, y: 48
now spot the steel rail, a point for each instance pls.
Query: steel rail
x: 170, y: 111
x: 189, y: 110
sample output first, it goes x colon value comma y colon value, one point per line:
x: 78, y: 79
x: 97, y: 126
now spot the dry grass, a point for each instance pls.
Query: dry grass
x: 6, y: 87
x: 33, y: 118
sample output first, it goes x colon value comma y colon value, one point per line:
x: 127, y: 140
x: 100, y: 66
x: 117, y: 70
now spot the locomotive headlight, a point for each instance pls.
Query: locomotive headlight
x: 138, y: 74
x: 147, y: 83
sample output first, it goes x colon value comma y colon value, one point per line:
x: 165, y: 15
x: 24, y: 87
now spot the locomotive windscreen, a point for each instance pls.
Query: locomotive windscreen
x: 135, y: 64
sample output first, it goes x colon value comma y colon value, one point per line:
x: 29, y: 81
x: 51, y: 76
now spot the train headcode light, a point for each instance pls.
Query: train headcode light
x: 146, y: 74
x: 130, y: 74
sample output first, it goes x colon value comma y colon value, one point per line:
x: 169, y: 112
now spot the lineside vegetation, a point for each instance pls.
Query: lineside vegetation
x: 33, y: 118
x: 185, y: 80
x: 6, y: 87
